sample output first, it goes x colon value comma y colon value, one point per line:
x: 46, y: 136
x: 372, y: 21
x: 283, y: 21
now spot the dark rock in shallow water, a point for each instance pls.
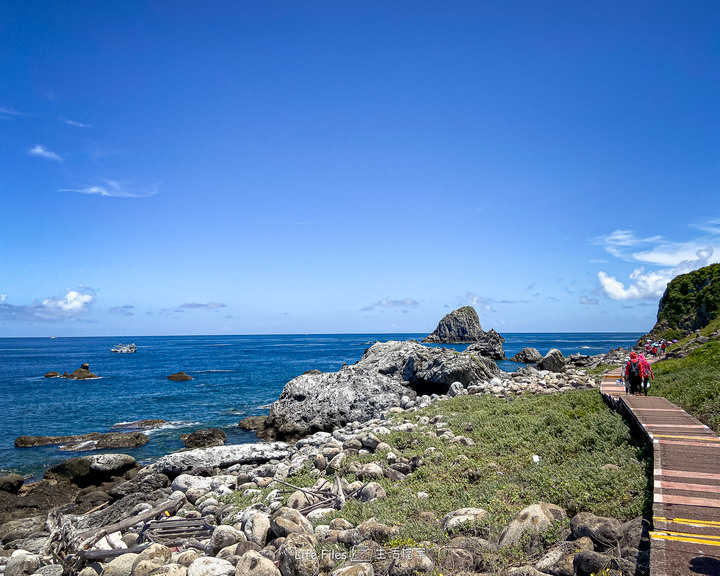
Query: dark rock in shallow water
x: 11, y: 483
x: 82, y: 373
x: 490, y: 345
x: 255, y: 422
x: 52, y: 374
x: 204, y: 438
x: 89, y: 441
x: 460, y: 326
x: 527, y: 356
x: 141, y: 424
x: 29, y: 441
x: 91, y: 470
x: 179, y: 377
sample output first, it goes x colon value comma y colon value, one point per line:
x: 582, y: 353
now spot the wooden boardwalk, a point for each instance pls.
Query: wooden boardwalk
x: 685, y: 539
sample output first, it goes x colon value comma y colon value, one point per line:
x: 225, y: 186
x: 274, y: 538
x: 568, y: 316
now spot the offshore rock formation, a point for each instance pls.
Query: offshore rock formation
x: 527, y: 356
x: 490, y: 345
x: 459, y: 327
x: 387, y: 373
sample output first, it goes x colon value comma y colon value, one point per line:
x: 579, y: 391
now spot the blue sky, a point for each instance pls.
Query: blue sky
x: 324, y: 167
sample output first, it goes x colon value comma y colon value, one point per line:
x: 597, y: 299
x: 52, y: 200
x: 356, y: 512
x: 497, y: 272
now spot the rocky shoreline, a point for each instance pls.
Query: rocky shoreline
x: 47, y: 527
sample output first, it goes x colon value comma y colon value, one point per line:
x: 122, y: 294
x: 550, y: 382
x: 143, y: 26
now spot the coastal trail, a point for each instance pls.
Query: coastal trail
x: 685, y: 539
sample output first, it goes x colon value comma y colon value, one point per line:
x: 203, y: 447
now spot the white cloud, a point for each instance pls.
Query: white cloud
x: 651, y: 284
x: 112, y: 188
x: 11, y: 112
x: 73, y: 305
x: 43, y: 152
x: 196, y: 305
x: 390, y: 303
x: 74, y: 123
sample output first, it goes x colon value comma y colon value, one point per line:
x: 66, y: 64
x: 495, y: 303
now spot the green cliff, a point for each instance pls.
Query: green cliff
x: 690, y: 302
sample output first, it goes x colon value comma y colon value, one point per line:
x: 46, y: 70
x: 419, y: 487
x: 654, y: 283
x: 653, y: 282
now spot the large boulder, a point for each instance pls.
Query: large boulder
x: 91, y: 470
x: 458, y: 327
x: 179, y: 377
x: 204, y: 438
x: 89, y: 441
x: 82, y: 373
x: 490, y: 344
x: 605, y: 532
x: 219, y: 457
x: 528, y: 356
x: 387, y: 371
x: 11, y: 483
x: 554, y: 361
x: 531, y: 521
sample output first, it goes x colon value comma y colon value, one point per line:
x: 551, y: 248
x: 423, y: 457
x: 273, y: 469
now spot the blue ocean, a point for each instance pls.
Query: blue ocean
x: 233, y: 377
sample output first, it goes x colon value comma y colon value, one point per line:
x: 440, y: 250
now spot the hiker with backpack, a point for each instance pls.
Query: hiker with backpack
x: 634, y: 374
x: 647, y: 373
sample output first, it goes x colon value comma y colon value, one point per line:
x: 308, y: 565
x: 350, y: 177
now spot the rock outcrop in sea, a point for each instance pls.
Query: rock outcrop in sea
x: 462, y: 326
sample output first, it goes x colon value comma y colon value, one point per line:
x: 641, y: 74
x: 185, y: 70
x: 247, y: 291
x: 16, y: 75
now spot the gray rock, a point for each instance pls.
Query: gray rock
x: 219, y: 457
x: 413, y: 563
x: 257, y: 527
x: 22, y: 565
x: 21, y: 528
x: 288, y: 521
x: 534, y: 519
x: 120, y: 566
x: 297, y: 556
x: 361, y: 569
x: 554, y: 361
x: 11, y: 483
x: 455, y: 519
x: 204, y: 438
x: 558, y: 560
x: 490, y: 344
x: 527, y: 356
x: 91, y: 470
x: 50, y: 570
x: 387, y: 371
x: 589, y: 563
x: 145, y: 483
x: 171, y: 569
x: 372, y: 491
x: 455, y: 389
x: 206, y: 566
x: 605, y: 532
x: 460, y: 326
x: 252, y: 563
x: 226, y: 536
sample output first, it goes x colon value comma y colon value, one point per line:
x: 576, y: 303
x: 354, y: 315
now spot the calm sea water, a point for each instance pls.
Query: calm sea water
x: 234, y: 377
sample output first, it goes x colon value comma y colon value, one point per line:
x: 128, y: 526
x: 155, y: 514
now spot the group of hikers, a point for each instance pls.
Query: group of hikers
x: 655, y: 349
x: 637, y: 375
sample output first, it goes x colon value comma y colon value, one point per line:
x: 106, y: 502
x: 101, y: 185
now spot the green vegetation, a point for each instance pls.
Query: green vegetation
x: 691, y: 301
x: 574, y: 434
x: 692, y: 383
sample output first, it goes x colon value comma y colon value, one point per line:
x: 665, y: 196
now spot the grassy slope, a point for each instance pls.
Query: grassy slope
x: 692, y: 383
x: 574, y: 434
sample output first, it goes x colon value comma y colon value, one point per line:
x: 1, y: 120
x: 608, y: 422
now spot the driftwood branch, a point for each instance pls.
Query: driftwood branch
x: 88, y: 538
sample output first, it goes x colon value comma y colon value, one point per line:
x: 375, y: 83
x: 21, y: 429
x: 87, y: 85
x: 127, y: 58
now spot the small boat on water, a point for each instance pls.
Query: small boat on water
x: 124, y: 348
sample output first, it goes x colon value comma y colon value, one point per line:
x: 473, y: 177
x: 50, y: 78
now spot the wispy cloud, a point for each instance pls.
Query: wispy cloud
x: 126, y: 310
x: 43, y: 152
x: 588, y: 301
x: 113, y: 188
x: 11, y: 112
x: 390, y: 303
x: 72, y: 306
x: 484, y: 303
x: 75, y: 123
x: 197, y: 305
x: 675, y: 258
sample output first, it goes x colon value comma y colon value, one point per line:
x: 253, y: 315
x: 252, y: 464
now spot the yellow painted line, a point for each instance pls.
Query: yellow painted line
x: 704, y: 438
x: 701, y: 540
x: 688, y: 521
